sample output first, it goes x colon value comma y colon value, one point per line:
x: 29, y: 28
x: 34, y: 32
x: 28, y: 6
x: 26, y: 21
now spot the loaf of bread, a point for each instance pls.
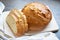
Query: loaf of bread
x: 38, y: 16
x: 17, y: 22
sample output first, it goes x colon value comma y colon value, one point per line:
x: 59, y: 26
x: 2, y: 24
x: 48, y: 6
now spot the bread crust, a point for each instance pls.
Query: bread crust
x: 38, y: 15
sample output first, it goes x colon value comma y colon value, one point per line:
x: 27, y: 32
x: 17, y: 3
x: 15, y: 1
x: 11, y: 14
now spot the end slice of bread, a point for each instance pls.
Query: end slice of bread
x: 17, y: 22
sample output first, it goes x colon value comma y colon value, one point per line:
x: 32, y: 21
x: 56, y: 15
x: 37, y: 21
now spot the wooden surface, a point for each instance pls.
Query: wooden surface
x: 54, y: 5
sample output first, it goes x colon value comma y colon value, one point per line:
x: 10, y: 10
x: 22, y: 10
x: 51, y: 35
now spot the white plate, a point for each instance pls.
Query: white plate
x: 39, y: 36
x: 52, y: 26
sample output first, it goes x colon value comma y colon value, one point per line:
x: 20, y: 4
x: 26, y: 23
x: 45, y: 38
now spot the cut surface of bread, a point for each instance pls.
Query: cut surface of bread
x: 17, y: 22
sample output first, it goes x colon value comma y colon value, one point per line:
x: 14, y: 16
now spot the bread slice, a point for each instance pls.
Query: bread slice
x: 17, y: 22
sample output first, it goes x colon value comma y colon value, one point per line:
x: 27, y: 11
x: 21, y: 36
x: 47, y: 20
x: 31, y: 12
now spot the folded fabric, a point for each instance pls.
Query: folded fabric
x: 1, y: 7
x: 1, y: 19
x: 1, y: 10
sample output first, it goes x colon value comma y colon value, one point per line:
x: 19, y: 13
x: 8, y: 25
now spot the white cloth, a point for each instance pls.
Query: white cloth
x: 1, y: 7
x: 1, y: 19
x: 1, y: 10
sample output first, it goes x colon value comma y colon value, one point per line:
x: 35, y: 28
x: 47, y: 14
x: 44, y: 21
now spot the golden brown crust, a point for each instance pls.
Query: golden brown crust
x: 24, y: 21
x: 20, y: 30
x: 22, y: 24
x: 38, y: 15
